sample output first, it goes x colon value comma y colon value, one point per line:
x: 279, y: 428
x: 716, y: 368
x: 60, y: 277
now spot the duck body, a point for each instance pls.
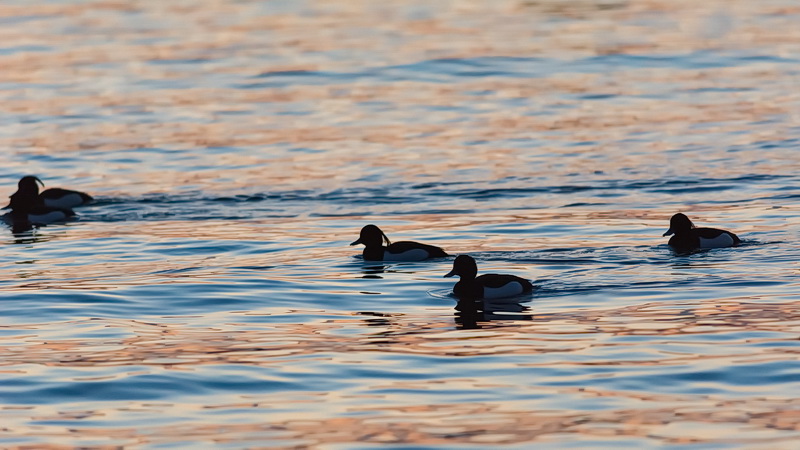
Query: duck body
x: 403, y: 251
x: 44, y: 214
x: 373, y: 238
x: 704, y: 238
x: 487, y: 286
x: 688, y: 236
x: 28, y: 194
x: 64, y: 198
x: 491, y: 286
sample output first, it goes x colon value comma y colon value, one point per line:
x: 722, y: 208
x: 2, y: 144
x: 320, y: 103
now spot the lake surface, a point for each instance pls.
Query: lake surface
x: 209, y: 297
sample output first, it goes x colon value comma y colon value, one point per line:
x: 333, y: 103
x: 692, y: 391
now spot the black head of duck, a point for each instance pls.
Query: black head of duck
x: 371, y: 236
x: 465, y: 267
x: 679, y: 224
x: 27, y: 195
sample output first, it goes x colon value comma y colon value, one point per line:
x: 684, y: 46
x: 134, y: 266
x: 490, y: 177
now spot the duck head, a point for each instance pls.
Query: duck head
x: 371, y: 236
x: 465, y: 267
x: 29, y: 183
x: 679, y: 223
x: 27, y: 195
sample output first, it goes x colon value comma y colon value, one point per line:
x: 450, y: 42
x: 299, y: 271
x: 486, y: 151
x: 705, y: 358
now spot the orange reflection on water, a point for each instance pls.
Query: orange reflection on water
x: 242, y: 40
x: 400, y: 414
x: 401, y: 334
x: 103, y: 81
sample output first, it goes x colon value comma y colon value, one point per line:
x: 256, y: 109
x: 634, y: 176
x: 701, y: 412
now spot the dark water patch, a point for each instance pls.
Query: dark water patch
x: 657, y: 185
x: 716, y: 89
x: 584, y: 204
x: 780, y: 197
x: 595, y: 97
x: 280, y: 79
x: 694, y: 189
x: 556, y: 288
x: 197, y: 206
x: 410, y: 212
x: 434, y: 71
x: 694, y: 60
x: 292, y: 73
x: 16, y: 20
x: 442, y: 70
x: 148, y: 386
x: 24, y: 48
x: 179, y: 61
x: 530, y: 257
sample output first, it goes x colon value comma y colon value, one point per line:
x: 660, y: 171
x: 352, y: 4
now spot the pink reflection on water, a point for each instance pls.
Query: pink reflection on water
x: 407, y: 418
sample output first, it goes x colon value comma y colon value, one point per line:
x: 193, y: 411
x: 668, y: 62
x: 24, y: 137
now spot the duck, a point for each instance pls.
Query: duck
x: 487, y: 286
x: 53, y: 197
x: 29, y: 208
x: 373, y: 238
x: 688, y: 236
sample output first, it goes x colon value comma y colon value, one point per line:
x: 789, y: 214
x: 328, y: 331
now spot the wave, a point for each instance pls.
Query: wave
x: 407, y: 198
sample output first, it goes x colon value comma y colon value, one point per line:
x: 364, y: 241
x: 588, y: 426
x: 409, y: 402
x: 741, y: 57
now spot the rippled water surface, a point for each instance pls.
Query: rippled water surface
x: 209, y: 297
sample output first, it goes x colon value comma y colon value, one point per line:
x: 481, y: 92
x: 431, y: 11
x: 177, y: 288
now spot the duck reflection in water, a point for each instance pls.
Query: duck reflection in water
x: 20, y: 228
x: 373, y: 271
x: 24, y: 233
x: 470, y: 313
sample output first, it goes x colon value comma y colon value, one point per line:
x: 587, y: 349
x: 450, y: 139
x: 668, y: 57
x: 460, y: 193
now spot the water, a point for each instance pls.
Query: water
x: 210, y: 298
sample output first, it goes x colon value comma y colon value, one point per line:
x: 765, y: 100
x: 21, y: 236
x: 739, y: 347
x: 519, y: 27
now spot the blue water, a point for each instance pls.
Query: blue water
x: 209, y: 297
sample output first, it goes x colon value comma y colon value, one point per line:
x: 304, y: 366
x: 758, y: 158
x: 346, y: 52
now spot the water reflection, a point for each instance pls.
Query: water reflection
x: 469, y: 312
x: 234, y: 142
x: 392, y: 354
x: 21, y: 228
x: 373, y: 271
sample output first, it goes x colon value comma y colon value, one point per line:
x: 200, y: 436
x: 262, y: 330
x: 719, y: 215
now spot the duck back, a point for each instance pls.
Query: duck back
x: 43, y: 216
x: 64, y: 198
x: 705, y: 238
x: 491, y: 286
x: 500, y: 286
x: 403, y: 251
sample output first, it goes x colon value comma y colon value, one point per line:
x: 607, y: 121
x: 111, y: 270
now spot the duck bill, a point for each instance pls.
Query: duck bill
x: 669, y: 232
x: 450, y: 274
x: 356, y: 242
x: 39, y: 181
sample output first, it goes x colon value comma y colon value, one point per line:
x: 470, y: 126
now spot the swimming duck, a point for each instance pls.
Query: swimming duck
x: 487, y: 286
x: 53, y: 197
x: 372, y: 237
x: 687, y: 236
x: 28, y: 207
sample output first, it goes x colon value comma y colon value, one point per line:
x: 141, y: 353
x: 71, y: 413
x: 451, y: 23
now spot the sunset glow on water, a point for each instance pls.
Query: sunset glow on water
x: 209, y: 297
